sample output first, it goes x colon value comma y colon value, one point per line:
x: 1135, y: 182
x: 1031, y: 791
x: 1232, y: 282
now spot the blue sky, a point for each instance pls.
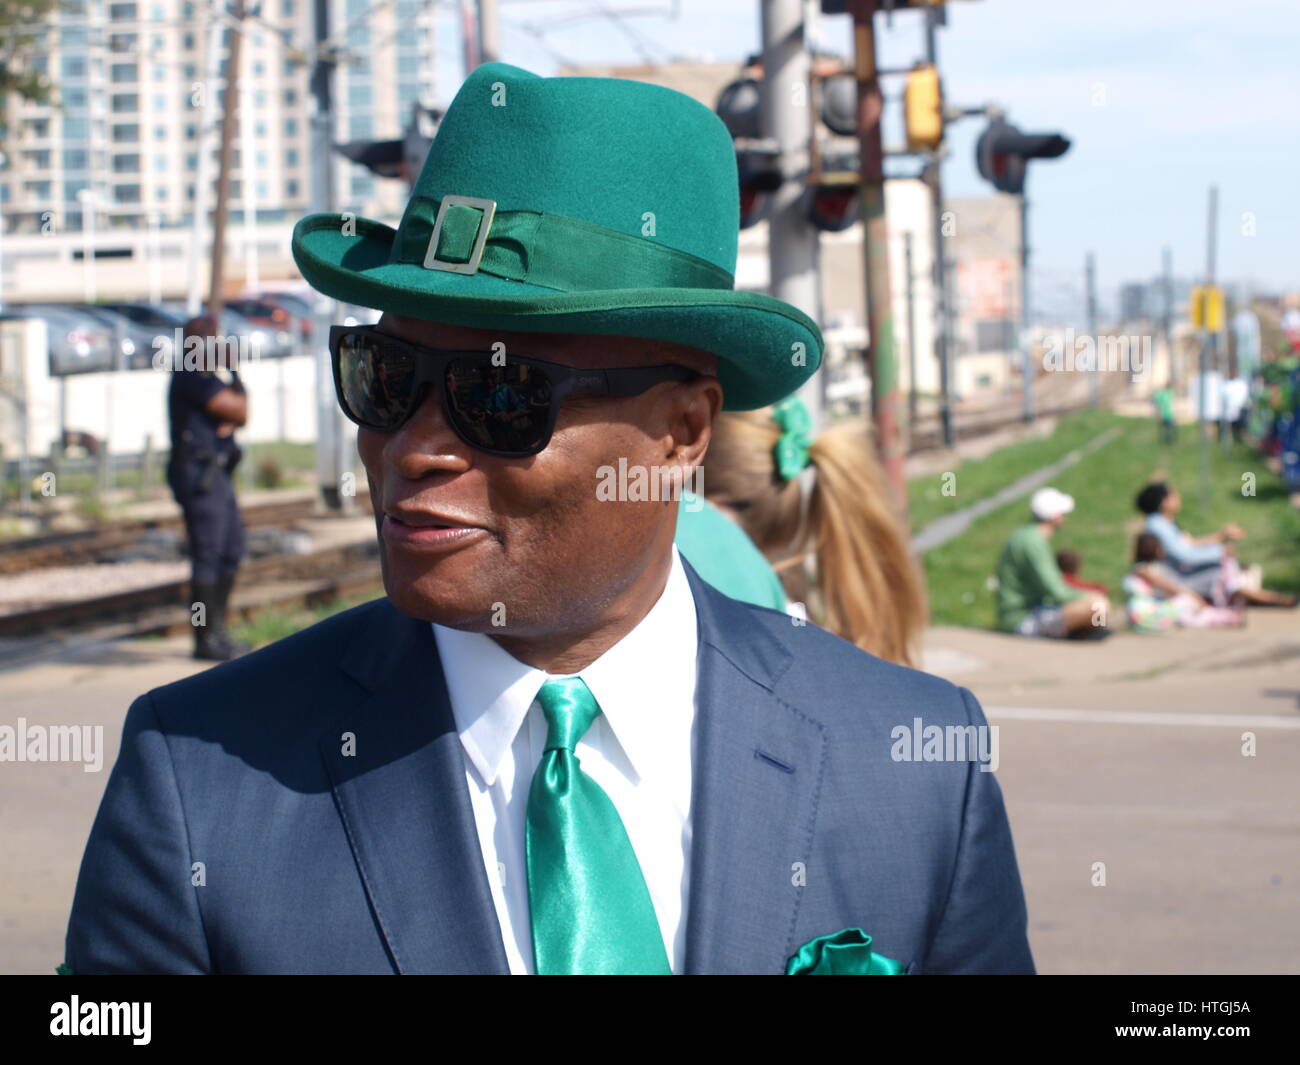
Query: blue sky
x: 1161, y: 98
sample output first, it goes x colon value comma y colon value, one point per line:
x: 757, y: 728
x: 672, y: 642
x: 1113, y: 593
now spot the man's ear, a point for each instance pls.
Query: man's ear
x: 697, y: 404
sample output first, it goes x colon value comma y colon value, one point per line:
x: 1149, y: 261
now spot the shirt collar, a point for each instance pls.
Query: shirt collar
x: 491, y: 690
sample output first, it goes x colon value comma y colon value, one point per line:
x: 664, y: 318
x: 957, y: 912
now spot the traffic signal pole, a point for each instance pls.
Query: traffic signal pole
x: 882, y: 363
x: 786, y: 119
x: 331, y: 441
x: 934, y: 17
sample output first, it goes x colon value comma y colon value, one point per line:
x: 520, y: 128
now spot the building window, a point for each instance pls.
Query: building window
x: 160, y: 163
x: 123, y: 72
x: 73, y: 66
x: 126, y: 164
x: 126, y: 134
x: 122, y: 12
x: 74, y: 97
x: 360, y: 127
x: 38, y: 159
x: 121, y: 42
x: 125, y: 103
x: 75, y: 129
x: 127, y: 193
x: 359, y: 97
x: 75, y: 158
x: 290, y: 97
x: 291, y: 157
x: 290, y: 127
x: 291, y: 189
x: 160, y: 133
x: 187, y: 42
x: 36, y: 190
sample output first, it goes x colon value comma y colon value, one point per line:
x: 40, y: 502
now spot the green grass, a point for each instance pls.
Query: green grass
x: 977, y: 479
x: 1105, y: 521
x: 278, y: 622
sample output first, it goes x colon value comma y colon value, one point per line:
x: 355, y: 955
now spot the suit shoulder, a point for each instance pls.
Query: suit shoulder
x: 295, y: 662
x: 841, y: 677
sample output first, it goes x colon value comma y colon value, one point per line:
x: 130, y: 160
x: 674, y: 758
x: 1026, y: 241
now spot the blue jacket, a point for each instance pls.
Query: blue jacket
x: 313, y: 861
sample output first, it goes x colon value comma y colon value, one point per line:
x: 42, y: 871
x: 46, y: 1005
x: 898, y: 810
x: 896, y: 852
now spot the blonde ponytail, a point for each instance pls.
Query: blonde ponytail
x: 843, y: 550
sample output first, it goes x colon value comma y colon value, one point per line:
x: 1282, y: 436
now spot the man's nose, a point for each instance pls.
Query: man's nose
x: 427, y: 443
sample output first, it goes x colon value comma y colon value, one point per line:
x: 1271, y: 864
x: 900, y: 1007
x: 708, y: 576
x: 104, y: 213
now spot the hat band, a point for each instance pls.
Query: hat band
x: 549, y: 250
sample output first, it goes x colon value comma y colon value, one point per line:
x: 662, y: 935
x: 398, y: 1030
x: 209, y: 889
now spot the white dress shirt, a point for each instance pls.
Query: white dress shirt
x: 639, y: 750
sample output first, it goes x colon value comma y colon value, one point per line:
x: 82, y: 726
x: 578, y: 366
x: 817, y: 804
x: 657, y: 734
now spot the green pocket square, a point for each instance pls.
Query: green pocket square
x: 844, y: 953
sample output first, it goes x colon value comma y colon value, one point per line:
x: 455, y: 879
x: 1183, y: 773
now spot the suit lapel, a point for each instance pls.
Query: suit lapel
x: 757, y: 773
x: 405, y: 805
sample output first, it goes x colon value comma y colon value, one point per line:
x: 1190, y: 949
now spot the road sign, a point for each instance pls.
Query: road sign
x: 1207, y: 307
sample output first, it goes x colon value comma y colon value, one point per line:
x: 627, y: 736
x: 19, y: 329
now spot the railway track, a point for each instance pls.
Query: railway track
x: 82, y: 546
x: 279, y: 581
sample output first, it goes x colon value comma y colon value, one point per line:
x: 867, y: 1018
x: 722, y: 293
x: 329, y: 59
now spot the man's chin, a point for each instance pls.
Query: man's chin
x: 443, y: 605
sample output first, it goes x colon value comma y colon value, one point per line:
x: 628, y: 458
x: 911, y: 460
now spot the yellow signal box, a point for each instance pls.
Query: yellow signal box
x: 1207, y: 307
x: 923, y: 108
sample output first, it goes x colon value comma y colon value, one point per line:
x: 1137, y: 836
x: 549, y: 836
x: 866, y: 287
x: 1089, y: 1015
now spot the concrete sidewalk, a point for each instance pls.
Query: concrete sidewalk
x: 1200, y: 844
x: 1132, y: 757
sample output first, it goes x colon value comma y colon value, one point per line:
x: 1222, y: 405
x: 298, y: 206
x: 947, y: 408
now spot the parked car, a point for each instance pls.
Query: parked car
x: 270, y: 313
x: 78, y: 343
x: 137, y: 342
x: 262, y: 343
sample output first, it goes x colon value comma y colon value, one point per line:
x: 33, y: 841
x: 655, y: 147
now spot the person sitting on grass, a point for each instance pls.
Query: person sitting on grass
x: 1201, y: 562
x: 1157, y: 600
x: 1033, y: 598
x: 1070, y: 562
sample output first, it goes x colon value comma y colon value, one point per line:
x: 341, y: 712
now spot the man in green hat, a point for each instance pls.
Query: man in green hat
x: 552, y: 747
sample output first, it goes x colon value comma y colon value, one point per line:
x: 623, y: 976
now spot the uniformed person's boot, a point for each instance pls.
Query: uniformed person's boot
x: 208, y: 643
x: 233, y: 646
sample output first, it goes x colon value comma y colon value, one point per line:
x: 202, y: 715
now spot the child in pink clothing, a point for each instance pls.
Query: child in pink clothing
x: 1157, y: 600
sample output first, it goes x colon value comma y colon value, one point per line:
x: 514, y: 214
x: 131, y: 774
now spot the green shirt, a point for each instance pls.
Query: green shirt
x: 1028, y: 577
x: 724, y: 555
x: 1164, y: 400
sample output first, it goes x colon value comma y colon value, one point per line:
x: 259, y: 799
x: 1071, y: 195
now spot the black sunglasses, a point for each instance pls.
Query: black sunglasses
x: 504, y: 408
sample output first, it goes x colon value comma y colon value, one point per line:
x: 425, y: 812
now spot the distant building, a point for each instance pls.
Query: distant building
x: 125, y: 125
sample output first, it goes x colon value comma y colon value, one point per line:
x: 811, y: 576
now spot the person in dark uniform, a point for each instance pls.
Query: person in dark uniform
x: 206, y: 403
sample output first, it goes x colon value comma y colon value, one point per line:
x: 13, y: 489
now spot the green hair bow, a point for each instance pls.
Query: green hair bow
x: 792, y: 448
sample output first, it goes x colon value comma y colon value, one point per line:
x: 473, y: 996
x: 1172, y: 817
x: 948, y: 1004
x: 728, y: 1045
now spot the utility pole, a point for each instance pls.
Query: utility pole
x: 203, y: 165
x: 469, y: 35
x: 1167, y: 324
x: 248, y: 188
x: 884, y: 375
x: 229, y: 115
x: 934, y: 18
x: 1027, y: 374
x: 786, y: 118
x: 1090, y: 285
x: 489, y: 31
x: 331, y: 463
x: 911, y: 331
x: 1207, y: 344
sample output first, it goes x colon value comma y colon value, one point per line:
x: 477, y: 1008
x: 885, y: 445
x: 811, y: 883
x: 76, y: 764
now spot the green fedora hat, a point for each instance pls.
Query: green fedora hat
x: 573, y: 205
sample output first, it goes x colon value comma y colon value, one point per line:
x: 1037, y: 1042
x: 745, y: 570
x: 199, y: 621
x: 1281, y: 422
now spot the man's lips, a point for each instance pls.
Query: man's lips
x: 427, y: 529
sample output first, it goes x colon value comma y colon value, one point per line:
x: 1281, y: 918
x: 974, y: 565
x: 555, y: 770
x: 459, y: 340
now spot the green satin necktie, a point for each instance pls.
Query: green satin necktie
x: 591, y: 909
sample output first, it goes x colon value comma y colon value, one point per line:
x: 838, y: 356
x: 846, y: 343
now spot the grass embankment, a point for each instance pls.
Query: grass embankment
x: 1104, y: 522
x: 275, y: 623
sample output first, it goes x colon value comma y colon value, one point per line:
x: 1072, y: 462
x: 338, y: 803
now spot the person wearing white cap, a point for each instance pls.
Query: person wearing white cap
x: 1033, y: 598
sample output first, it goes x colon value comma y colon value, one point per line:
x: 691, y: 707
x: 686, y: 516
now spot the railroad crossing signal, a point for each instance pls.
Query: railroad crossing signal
x: 1207, y: 307
x: 1002, y: 154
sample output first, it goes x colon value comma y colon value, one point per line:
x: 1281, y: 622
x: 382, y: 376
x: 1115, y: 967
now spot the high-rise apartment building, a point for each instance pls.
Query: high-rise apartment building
x: 126, y: 124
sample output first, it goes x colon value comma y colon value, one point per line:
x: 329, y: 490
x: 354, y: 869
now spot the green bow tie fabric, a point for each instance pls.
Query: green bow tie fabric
x: 591, y: 909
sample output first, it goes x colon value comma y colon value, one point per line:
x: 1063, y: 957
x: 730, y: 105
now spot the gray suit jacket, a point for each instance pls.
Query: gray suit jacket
x: 319, y: 862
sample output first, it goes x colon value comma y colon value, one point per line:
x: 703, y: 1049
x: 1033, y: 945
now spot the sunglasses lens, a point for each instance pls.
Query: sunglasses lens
x: 376, y: 380
x: 505, y: 408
